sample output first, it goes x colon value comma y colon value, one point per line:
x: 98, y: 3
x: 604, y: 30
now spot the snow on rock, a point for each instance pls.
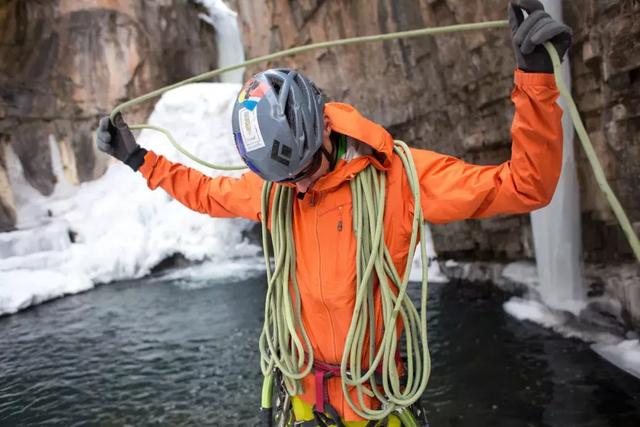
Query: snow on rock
x: 533, y: 311
x: 115, y: 228
x: 51, y: 237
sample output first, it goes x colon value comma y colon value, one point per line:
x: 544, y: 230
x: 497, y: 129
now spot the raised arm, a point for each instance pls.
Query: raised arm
x: 452, y: 189
x: 218, y: 197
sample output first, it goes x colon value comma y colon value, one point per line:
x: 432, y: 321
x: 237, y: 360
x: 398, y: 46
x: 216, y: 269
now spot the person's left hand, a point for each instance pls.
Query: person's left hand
x: 529, y: 34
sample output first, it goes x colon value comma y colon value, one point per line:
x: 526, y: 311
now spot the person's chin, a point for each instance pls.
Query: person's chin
x: 303, y: 188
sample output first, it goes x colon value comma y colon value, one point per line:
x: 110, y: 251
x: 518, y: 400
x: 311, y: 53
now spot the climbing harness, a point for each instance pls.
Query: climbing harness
x: 286, y: 351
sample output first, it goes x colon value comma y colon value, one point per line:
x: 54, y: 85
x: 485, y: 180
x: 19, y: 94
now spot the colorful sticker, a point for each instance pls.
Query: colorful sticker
x: 252, y: 93
x: 250, y: 130
x: 249, y: 104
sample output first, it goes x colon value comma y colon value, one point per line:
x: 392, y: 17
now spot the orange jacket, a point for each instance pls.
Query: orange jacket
x: 451, y: 190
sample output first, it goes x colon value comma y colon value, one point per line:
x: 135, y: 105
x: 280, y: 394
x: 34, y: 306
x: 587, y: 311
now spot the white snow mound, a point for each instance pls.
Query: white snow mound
x: 115, y: 228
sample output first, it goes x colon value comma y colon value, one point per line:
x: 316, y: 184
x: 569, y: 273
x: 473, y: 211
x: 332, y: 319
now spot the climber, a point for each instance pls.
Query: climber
x: 286, y: 133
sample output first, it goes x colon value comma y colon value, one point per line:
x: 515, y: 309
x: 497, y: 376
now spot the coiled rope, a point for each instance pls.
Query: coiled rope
x: 284, y: 344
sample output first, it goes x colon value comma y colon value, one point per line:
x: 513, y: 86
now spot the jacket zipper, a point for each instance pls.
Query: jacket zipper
x: 320, y: 287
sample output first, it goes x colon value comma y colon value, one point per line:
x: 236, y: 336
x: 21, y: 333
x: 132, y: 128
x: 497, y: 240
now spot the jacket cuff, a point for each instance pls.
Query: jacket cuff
x: 149, y: 163
x: 523, y: 78
x: 136, y: 159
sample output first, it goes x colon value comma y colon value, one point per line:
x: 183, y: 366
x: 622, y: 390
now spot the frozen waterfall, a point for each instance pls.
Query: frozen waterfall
x: 556, y: 228
x: 228, y: 39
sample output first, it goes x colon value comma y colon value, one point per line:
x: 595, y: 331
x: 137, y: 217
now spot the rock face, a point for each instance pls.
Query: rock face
x: 64, y: 63
x: 606, y: 86
x: 450, y: 93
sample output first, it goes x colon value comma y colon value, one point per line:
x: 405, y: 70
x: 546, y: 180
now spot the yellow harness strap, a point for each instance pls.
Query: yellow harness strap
x: 304, y: 412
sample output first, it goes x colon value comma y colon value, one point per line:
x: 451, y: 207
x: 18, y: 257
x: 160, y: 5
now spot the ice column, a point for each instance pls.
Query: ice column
x: 556, y: 228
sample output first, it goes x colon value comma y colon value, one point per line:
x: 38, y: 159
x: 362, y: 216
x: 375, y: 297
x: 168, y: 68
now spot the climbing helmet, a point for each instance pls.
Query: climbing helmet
x: 277, y: 125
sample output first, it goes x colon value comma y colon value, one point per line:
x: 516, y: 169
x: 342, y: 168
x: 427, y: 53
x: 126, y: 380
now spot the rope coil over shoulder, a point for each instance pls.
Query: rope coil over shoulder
x: 284, y: 343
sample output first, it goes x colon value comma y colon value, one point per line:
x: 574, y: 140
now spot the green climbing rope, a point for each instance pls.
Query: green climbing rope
x: 284, y: 343
x: 184, y: 151
x: 280, y: 344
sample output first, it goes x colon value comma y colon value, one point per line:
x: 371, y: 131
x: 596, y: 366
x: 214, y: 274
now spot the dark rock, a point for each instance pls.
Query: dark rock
x: 173, y: 261
x: 7, y: 206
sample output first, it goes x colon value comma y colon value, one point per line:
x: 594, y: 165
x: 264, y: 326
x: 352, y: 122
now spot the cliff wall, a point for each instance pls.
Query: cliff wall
x: 65, y: 63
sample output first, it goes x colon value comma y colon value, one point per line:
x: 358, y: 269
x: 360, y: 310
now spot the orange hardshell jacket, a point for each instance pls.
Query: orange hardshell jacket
x: 451, y: 190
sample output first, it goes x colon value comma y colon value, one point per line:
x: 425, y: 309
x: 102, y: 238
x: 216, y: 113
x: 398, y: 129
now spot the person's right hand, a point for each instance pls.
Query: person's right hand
x: 119, y: 142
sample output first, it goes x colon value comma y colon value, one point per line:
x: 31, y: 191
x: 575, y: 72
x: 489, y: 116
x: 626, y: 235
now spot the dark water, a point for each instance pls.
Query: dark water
x: 172, y: 353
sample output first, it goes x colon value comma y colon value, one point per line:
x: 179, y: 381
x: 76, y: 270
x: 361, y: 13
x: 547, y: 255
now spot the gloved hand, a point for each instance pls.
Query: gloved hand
x: 528, y: 35
x: 119, y: 142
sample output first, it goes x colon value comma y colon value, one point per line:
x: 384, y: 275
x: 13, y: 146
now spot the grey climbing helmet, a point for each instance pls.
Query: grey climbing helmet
x: 278, y: 125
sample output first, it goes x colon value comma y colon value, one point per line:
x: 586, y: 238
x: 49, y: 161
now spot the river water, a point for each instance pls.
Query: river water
x: 184, y: 352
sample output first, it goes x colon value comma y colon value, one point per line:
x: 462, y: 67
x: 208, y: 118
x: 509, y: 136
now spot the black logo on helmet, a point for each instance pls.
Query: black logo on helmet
x: 281, y: 153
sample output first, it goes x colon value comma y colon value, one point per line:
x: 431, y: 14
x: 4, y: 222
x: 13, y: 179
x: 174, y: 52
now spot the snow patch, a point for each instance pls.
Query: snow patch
x: 533, y: 311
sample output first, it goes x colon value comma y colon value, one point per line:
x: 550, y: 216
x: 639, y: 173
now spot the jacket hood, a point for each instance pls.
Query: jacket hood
x: 346, y: 120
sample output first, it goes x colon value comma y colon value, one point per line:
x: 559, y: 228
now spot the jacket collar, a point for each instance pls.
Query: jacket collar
x: 345, y: 119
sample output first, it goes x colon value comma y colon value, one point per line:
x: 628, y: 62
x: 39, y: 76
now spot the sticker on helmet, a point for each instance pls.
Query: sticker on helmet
x: 250, y: 130
x: 252, y: 93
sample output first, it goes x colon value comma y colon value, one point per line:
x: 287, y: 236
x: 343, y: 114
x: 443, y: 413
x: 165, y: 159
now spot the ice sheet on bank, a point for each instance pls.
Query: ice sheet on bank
x: 20, y: 289
x: 625, y: 355
x: 121, y: 229
x: 563, y: 322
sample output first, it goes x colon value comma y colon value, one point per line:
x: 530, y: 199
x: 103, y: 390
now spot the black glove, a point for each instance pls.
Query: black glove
x: 528, y: 35
x: 119, y: 142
